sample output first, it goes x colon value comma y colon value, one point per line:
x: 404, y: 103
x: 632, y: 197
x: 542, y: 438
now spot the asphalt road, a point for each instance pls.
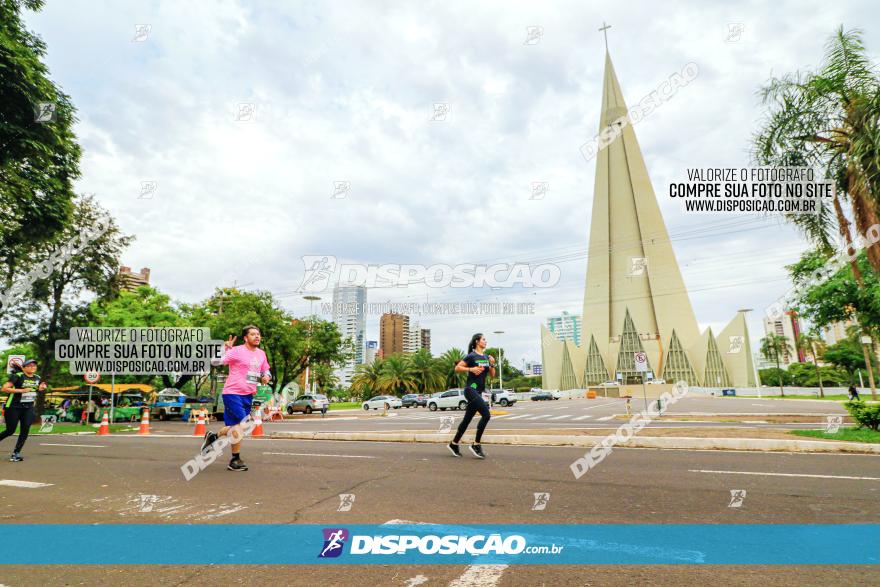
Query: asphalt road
x: 132, y: 479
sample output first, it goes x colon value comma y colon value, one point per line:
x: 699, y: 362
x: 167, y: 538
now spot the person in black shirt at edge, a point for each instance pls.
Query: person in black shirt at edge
x: 477, y: 366
x: 22, y: 388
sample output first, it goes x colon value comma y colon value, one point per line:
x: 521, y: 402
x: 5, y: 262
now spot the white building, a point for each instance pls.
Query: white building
x: 350, y: 316
x: 566, y: 327
x: 790, y: 327
x: 532, y: 368
x: 412, y: 340
x: 371, y: 352
x: 834, y: 333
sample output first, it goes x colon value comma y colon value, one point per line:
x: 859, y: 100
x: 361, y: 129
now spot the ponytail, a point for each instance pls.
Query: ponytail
x: 473, y: 343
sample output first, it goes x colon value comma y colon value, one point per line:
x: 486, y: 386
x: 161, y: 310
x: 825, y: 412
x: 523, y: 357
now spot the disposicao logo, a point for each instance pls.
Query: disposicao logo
x: 334, y: 540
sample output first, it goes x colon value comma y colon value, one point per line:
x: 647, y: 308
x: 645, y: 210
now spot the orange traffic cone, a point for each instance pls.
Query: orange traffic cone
x: 145, y: 423
x: 105, y: 425
x: 258, y: 426
x: 200, y: 426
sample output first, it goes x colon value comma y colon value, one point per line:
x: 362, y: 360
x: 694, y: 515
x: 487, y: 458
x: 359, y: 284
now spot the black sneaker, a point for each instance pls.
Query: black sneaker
x: 237, y: 465
x: 16, y: 458
x: 477, y: 450
x: 453, y: 448
x: 210, y: 438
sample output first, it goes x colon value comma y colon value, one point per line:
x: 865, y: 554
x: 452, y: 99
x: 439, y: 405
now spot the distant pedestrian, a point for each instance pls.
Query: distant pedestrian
x: 854, y: 393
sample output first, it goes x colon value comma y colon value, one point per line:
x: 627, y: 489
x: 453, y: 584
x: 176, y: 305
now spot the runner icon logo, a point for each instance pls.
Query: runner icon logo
x: 541, y: 500
x: 737, y: 496
x: 346, y: 500
x: 334, y: 540
x: 832, y: 424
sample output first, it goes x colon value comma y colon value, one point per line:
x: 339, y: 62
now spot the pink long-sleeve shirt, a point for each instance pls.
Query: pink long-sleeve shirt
x: 245, y: 370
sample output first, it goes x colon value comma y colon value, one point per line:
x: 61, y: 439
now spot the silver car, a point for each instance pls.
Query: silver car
x: 312, y: 402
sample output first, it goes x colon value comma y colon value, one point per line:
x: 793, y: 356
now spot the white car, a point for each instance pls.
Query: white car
x: 382, y: 402
x: 503, y: 397
x: 450, y: 399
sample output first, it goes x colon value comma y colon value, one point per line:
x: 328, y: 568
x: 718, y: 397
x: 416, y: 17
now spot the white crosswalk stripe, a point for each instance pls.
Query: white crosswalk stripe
x: 605, y: 418
x: 562, y: 417
x: 519, y: 416
x: 583, y: 417
x: 539, y: 417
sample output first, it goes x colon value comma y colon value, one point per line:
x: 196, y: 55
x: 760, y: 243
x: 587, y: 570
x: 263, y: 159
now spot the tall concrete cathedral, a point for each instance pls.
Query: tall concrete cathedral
x: 635, y: 298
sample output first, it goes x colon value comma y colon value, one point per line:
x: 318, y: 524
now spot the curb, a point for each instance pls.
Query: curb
x: 750, y: 444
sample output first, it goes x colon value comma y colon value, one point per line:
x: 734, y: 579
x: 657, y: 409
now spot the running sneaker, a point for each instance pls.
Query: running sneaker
x: 210, y: 438
x: 237, y: 465
x: 16, y: 458
x: 477, y: 450
x: 453, y: 448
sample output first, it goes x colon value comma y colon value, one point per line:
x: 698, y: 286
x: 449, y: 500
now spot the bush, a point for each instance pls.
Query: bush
x: 866, y: 416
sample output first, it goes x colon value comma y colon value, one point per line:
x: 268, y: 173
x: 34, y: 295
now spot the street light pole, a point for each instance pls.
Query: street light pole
x: 500, y: 361
x: 312, y: 300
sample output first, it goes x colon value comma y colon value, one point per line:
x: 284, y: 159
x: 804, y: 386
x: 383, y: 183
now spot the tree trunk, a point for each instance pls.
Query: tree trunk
x: 818, y: 372
x: 870, y: 371
x: 843, y: 226
x: 865, y: 216
x: 779, y: 374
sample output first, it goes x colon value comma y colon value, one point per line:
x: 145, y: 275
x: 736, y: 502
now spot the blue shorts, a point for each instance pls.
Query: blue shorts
x: 236, y: 408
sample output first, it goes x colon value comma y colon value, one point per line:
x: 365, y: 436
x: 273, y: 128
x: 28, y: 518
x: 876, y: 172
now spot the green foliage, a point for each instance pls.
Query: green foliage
x: 38, y: 160
x: 867, y: 416
x: 774, y: 376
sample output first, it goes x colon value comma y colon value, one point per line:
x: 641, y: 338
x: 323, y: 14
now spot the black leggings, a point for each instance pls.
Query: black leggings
x: 476, y: 403
x: 13, y: 416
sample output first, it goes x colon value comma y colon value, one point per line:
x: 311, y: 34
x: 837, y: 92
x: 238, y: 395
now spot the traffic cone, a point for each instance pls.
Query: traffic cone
x: 145, y: 423
x: 105, y: 425
x: 258, y: 427
x: 200, y: 426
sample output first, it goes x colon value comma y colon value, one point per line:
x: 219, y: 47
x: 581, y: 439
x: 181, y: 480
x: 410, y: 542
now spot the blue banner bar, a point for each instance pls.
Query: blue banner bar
x: 355, y: 544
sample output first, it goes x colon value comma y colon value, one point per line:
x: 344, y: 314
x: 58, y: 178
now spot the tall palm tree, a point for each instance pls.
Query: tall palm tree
x: 828, y: 120
x: 447, y: 362
x: 774, y: 347
x: 396, y: 377
x: 812, y: 344
x: 325, y: 377
x: 366, y: 378
x: 427, y: 371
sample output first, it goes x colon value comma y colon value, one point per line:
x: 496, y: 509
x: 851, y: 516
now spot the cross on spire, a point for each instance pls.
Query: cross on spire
x: 604, y: 30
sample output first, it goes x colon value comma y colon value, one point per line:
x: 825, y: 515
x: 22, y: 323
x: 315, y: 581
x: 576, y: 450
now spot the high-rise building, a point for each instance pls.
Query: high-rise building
x: 394, y: 334
x: 413, y: 338
x: 834, y: 333
x: 635, y: 300
x: 130, y: 281
x: 350, y: 316
x: 532, y: 368
x: 566, y: 327
x: 425, y: 339
x: 371, y: 352
x: 789, y: 326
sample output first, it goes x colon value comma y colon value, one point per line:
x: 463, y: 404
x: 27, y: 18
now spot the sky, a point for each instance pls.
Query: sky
x: 348, y: 92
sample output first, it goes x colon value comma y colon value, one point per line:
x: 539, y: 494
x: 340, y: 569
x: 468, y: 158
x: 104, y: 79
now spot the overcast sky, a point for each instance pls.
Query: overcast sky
x: 345, y: 91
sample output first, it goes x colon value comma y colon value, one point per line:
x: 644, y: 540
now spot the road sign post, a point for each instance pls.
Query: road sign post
x: 91, y: 378
x: 14, y: 360
x: 641, y: 360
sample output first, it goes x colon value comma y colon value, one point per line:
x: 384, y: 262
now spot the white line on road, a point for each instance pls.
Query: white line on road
x: 480, y: 576
x: 311, y: 454
x: 518, y: 417
x: 600, y: 405
x: 583, y: 417
x: 26, y: 484
x: 562, y: 417
x: 605, y: 418
x: 785, y: 474
x: 62, y: 444
x: 539, y: 417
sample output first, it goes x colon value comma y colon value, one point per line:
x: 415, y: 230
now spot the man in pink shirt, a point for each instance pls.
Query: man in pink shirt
x: 247, y: 367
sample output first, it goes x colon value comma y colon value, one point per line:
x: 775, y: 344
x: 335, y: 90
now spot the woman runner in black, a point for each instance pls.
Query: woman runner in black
x: 22, y: 388
x: 477, y: 366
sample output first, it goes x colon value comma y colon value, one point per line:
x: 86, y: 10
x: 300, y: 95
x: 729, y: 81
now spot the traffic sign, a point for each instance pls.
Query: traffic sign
x: 92, y: 377
x: 641, y: 362
x: 14, y: 360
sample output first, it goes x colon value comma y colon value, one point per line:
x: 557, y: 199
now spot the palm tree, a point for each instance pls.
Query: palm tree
x: 426, y: 370
x: 828, y: 120
x: 774, y: 347
x: 811, y: 343
x: 447, y: 362
x: 324, y: 375
x: 366, y: 378
x: 396, y: 377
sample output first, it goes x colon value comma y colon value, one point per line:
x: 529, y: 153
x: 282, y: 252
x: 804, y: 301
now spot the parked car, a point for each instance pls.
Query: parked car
x: 382, y: 401
x: 504, y: 397
x: 311, y: 402
x: 414, y: 400
x: 169, y: 404
x: 550, y: 394
x: 450, y: 399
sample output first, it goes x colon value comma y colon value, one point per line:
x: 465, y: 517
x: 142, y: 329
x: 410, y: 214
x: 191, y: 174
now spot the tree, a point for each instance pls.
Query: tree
x: 426, y: 371
x: 54, y: 304
x: 39, y: 156
x: 828, y: 120
x: 447, y: 362
x: 848, y: 355
x: 366, y: 378
x: 324, y: 376
x: 774, y: 347
x: 811, y: 343
x: 396, y: 377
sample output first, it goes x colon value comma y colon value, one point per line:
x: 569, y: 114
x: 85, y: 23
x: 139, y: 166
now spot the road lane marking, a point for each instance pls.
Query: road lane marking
x: 518, y: 417
x: 785, y: 474
x: 562, y: 417
x: 605, y: 418
x: 600, y: 405
x: 538, y: 417
x: 62, y: 444
x: 25, y: 484
x: 480, y: 576
x: 308, y: 454
x: 583, y: 417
